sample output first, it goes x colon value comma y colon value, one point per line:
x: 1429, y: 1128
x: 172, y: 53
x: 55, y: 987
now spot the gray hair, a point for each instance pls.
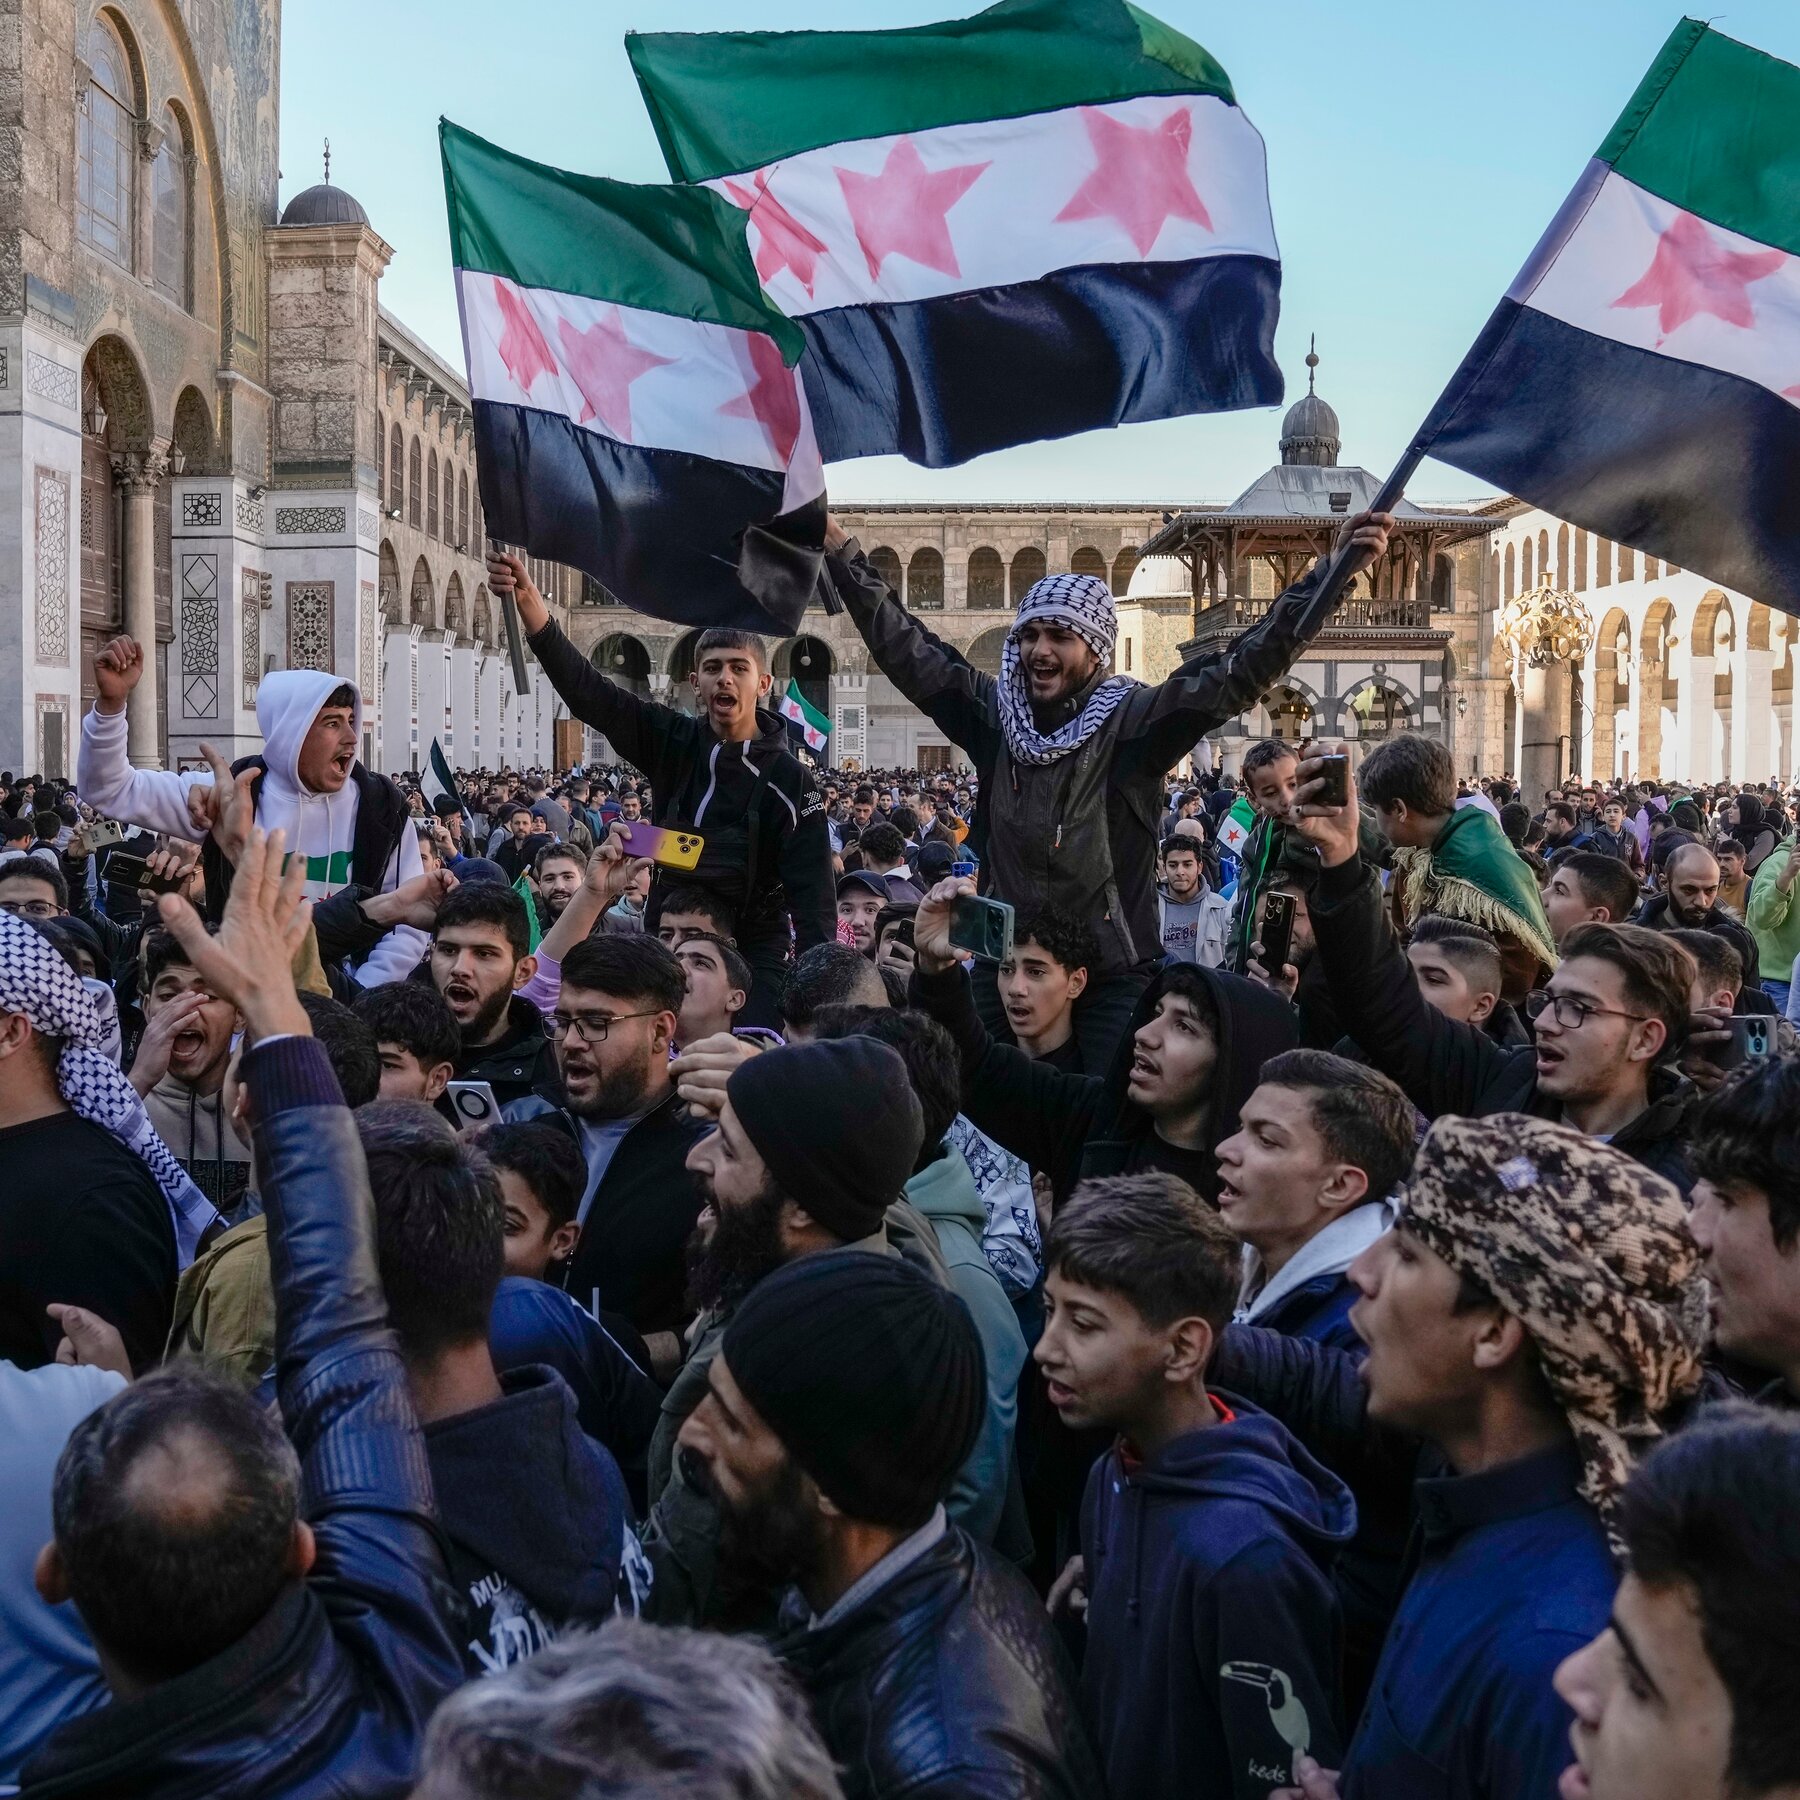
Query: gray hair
x: 654, y: 1711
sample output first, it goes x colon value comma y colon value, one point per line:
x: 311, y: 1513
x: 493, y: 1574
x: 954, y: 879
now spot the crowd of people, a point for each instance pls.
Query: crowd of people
x: 498, y: 1303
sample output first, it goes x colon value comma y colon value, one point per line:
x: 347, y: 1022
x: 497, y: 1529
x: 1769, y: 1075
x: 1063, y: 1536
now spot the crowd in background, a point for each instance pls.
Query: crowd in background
x: 493, y: 1303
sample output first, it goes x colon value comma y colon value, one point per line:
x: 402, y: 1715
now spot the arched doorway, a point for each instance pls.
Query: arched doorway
x: 126, y: 559
x: 1376, y: 710
x: 1659, y: 693
x: 1290, y: 715
x: 809, y: 663
x: 987, y: 580
x: 984, y: 653
x: 1612, y: 692
x: 681, y: 667
x: 885, y: 561
x: 925, y: 581
x: 1088, y: 561
x: 194, y: 443
x: 622, y: 658
x: 1028, y: 566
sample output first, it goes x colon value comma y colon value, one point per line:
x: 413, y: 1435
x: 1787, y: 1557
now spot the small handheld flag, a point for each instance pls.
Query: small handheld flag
x: 806, y: 718
x: 1641, y: 378
x: 435, y: 779
x: 1234, y: 834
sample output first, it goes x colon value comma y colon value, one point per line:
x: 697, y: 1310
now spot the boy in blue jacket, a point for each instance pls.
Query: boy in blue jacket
x: 1207, y: 1532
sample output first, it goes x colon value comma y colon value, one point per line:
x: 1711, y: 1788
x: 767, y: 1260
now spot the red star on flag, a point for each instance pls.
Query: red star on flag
x: 772, y: 396
x: 1141, y: 178
x: 522, y: 346
x: 604, y: 363
x: 782, y: 242
x: 904, y: 210
x: 1693, y: 273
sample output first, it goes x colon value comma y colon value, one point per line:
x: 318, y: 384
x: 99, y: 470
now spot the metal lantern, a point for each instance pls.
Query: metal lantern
x: 1546, y: 625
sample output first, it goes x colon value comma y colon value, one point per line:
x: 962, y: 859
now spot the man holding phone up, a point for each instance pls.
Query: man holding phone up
x: 1071, y: 757
x: 726, y: 776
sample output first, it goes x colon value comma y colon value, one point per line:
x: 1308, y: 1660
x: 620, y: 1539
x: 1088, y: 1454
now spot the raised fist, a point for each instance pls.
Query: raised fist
x: 118, y: 667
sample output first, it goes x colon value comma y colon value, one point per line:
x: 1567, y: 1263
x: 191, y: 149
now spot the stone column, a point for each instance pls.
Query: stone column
x: 140, y: 473
x: 1544, y: 706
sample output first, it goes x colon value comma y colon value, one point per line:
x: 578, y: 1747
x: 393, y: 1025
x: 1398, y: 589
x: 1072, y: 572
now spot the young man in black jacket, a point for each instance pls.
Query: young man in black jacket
x: 268, y: 1607
x: 1195, y: 1043
x: 1609, y: 1024
x: 1072, y: 758
x: 726, y: 775
x: 614, y: 1022
x: 480, y: 959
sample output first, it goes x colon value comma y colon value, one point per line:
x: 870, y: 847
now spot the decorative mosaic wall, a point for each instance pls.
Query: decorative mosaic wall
x: 250, y: 617
x: 309, y: 606
x: 200, y: 632
x: 308, y: 521
x: 52, y: 499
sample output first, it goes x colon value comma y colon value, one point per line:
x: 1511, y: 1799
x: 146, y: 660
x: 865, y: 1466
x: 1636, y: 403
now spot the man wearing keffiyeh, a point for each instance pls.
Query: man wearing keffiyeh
x: 1538, y: 1314
x: 1072, y: 757
x: 94, y: 1211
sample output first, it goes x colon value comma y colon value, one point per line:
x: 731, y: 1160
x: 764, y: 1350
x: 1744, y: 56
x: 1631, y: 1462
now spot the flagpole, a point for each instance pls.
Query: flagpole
x: 1337, y: 574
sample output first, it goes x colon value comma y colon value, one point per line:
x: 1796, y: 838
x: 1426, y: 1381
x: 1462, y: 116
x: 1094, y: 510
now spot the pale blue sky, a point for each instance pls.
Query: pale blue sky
x: 1416, y: 151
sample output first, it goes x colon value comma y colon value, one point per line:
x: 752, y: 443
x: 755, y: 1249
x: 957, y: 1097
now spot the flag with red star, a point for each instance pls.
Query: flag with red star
x: 638, y: 409
x: 1047, y: 218
x: 1642, y: 375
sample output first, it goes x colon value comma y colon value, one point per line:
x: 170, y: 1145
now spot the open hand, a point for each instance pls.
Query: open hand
x: 118, y: 668
x: 610, y: 872
x: 414, y: 902
x: 1332, y: 828
x: 250, y: 961
x: 225, y: 810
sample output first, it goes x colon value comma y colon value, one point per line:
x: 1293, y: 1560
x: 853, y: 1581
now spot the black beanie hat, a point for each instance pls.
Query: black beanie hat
x: 838, y: 1124
x: 870, y: 1374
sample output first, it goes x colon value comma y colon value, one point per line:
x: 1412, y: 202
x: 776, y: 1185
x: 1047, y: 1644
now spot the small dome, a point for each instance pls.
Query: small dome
x: 324, y: 205
x: 1160, y: 578
x: 1309, y: 433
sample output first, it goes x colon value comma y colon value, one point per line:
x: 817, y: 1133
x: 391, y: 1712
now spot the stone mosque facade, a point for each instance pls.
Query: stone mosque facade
x: 213, y: 436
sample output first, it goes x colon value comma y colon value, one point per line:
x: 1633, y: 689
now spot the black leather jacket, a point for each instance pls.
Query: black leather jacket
x: 328, y: 1694
x: 947, y: 1684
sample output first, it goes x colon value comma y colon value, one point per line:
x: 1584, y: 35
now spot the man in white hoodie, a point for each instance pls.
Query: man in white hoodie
x: 349, y: 823
x: 1305, y: 1183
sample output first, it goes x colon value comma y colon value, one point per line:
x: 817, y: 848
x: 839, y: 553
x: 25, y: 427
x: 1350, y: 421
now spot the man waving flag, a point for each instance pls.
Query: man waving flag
x: 1642, y: 376
x: 637, y: 411
x: 1044, y: 219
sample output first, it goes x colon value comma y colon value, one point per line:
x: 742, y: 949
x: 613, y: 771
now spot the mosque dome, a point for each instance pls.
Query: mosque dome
x: 324, y: 204
x: 1309, y: 433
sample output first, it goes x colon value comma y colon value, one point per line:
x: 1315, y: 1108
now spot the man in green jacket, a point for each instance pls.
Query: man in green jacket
x: 1774, y: 920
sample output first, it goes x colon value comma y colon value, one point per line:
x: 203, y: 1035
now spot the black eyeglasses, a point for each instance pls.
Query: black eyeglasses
x: 1572, y: 1013
x: 592, y: 1027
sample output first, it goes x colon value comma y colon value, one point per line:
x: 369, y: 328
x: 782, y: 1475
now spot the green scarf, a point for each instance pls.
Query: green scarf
x: 1472, y: 872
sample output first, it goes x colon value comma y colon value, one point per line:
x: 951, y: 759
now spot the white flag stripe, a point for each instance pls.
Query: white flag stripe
x: 1004, y: 227
x: 676, y: 403
x: 1612, y: 246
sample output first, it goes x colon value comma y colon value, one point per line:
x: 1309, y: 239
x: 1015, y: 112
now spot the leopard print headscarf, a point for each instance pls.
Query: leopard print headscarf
x: 1592, y: 1254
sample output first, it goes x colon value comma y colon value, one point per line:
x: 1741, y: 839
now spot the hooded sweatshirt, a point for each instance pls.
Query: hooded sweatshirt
x: 1076, y: 1126
x: 320, y: 827
x: 534, y: 1513
x: 1212, y: 1627
x: 1196, y: 930
x: 945, y: 1192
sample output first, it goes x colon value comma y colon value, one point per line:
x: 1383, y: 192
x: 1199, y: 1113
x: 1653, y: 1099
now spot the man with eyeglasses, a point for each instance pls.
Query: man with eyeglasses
x: 612, y: 1026
x: 31, y: 888
x: 1608, y: 1025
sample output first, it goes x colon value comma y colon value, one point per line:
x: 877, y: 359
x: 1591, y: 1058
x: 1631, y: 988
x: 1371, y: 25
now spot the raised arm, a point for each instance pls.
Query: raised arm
x: 937, y: 678
x: 637, y: 728
x: 1040, y: 1114
x: 1442, y: 1063
x: 153, y: 798
x: 1202, y: 694
x: 366, y: 1485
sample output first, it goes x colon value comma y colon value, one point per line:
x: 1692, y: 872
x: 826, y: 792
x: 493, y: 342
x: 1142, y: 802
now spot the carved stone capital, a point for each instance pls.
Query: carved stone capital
x: 140, y: 472
x: 84, y: 79
x: 150, y: 138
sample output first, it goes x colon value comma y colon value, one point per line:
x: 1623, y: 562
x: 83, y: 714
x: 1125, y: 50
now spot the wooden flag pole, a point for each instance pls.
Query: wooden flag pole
x: 1393, y: 490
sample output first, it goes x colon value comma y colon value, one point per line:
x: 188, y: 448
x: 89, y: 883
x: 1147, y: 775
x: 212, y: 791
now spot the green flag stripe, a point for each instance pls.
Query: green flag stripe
x: 814, y: 717
x: 725, y: 102
x: 1714, y: 128
x: 677, y: 250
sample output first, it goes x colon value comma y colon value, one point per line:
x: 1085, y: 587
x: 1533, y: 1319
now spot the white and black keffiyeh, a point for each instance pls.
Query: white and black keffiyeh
x: 1082, y: 604
x: 36, y: 981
